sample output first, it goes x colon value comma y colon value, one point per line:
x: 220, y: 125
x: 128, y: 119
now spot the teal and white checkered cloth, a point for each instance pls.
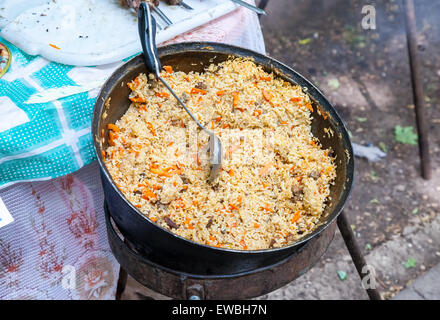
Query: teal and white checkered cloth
x: 40, y: 141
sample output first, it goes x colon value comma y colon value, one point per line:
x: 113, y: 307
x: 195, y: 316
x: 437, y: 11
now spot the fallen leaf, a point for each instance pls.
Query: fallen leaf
x: 334, y: 84
x: 305, y: 41
x: 411, y: 263
x: 342, y: 275
x: 405, y: 135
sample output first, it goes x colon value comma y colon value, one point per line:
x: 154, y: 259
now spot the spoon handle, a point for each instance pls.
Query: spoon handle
x: 147, y: 33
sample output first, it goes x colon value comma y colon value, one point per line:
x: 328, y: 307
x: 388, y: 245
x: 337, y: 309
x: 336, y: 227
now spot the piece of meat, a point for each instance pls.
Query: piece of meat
x: 201, y: 86
x: 185, y: 97
x: 272, y: 242
x: 171, y: 223
x: 136, y: 3
x: 315, y: 174
x: 209, y: 224
x: 297, y: 193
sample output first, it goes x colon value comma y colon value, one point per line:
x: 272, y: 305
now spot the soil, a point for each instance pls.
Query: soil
x: 366, y: 75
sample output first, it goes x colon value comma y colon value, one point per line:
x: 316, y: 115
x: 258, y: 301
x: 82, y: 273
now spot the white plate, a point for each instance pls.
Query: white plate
x: 93, y: 32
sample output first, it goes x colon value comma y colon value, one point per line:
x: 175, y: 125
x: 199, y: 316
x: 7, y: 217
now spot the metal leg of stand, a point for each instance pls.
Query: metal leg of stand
x: 355, y: 252
x: 417, y: 86
x: 122, y: 283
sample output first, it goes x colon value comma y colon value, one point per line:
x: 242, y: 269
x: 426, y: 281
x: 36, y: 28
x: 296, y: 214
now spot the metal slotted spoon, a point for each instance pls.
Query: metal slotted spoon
x: 147, y: 33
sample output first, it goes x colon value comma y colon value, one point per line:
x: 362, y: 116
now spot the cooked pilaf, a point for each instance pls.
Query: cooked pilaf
x: 275, y: 176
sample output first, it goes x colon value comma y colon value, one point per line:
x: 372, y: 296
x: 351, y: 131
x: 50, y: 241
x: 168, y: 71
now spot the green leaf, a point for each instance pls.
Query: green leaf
x: 383, y: 147
x: 334, y: 84
x: 361, y: 120
x: 411, y: 263
x: 415, y: 211
x: 305, y: 41
x: 342, y: 275
x: 375, y: 201
x: 368, y: 246
x: 405, y: 135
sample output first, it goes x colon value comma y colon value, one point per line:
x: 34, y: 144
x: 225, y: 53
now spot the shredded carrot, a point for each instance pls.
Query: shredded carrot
x: 154, y: 219
x: 233, y: 206
x: 309, y: 106
x: 137, y: 99
x: 225, y: 126
x: 284, y: 123
x: 186, y: 78
x: 166, y: 172
x: 239, y: 199
x: 134, y: 84
x: 264, y: 171
x: 330, y: 168
x: 220, y: 93
x: 231, y: 172
x: 257, y: 113
x: 197, y: 91
x: 103, y: 154
x: 267, y: 96
x: 267, y: 208
x: 256, y: 225
x: 150, y: 126
x: 243, y: 244
x: 170, y: 143
x: 113, y: 127
x: 266, y: 78
x: 147, y: 194
x: 112, y: 137
x: 197, y: 159
x: 54, y: 46
x: 296, y: 216
x: 168, y: 69
x: 138, y: 205
x: 235, y: 99
x: 292, y: 169
x: 162, y: 94
x: 297, y: 99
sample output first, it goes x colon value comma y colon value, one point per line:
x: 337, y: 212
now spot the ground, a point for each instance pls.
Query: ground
x: 365, y: 74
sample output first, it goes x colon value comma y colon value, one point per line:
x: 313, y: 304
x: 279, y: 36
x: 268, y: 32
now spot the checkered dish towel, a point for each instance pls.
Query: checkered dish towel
x: 50, y: 138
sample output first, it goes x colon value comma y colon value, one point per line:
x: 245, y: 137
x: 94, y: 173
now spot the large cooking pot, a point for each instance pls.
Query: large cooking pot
x: 173, y: 251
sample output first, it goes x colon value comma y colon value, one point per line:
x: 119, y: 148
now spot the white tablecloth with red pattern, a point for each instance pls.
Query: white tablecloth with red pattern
x: 57, y: 246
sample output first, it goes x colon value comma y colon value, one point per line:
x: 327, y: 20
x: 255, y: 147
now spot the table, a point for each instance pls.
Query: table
x: 57, y: 246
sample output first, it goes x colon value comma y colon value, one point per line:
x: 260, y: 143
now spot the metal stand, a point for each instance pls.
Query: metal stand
x: 355, y: 252
x: 193, y: 290
x: 417, y: 86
